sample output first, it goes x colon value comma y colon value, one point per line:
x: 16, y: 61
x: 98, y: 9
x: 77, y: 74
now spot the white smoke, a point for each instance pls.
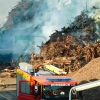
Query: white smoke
x: 49, y: 15
x: 63, y: 2
x: 93, y: 2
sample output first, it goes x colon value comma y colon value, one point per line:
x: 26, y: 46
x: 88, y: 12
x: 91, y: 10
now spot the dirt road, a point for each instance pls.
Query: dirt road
x: 8, y: 91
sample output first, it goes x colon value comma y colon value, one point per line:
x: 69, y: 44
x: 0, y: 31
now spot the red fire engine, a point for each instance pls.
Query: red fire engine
x: 49, y: 87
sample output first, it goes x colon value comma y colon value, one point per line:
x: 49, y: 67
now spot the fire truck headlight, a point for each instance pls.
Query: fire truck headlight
x: 62, y: 93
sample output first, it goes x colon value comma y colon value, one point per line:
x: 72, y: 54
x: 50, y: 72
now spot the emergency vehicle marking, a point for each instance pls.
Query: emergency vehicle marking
x: 24, y: 75
x: 62, y: 84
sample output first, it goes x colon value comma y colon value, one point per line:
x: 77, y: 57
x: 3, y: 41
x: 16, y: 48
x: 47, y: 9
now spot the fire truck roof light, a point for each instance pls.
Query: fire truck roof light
x: 58, y: 79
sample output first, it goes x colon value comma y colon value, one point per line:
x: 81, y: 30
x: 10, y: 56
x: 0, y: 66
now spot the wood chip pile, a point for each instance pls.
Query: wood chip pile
x: 88, y: 73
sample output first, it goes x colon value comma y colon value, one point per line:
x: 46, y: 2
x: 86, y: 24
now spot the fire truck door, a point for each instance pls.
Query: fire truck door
x: 26, y: 90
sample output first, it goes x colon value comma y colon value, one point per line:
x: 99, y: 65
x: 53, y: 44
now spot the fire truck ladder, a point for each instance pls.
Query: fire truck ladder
x: 54, y: 70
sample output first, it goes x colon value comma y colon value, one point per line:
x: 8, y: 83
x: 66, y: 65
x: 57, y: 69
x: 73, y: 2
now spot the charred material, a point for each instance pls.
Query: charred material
x: 74, y: 46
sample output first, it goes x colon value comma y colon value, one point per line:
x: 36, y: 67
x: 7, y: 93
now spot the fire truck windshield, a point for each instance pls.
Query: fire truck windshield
x: 56, y: 92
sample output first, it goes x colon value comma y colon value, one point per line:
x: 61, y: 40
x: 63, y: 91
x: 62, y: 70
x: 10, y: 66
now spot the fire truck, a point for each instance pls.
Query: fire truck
x: 31, y: 86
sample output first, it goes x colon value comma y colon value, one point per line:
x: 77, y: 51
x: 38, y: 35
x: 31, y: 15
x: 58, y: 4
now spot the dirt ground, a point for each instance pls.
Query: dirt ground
x: 7, y: 91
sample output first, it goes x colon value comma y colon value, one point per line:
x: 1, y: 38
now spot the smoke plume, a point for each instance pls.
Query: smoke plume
x: 31, y: 22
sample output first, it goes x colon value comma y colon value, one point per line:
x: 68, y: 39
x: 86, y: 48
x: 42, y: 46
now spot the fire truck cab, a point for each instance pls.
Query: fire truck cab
x: 30, y: 87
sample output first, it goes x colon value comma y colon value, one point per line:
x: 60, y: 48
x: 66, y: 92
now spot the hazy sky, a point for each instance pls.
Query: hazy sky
x: 5, y: 7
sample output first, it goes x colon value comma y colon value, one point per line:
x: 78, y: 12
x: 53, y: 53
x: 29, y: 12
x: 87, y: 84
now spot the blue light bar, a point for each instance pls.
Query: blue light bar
x: 58, y: 79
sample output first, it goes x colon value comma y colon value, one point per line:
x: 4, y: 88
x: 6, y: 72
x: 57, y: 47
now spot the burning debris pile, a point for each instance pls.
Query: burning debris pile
x: 74, y: 46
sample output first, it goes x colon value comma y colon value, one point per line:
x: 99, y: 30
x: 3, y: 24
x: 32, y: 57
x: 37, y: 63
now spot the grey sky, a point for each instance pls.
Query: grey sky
x: 5, y: 7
